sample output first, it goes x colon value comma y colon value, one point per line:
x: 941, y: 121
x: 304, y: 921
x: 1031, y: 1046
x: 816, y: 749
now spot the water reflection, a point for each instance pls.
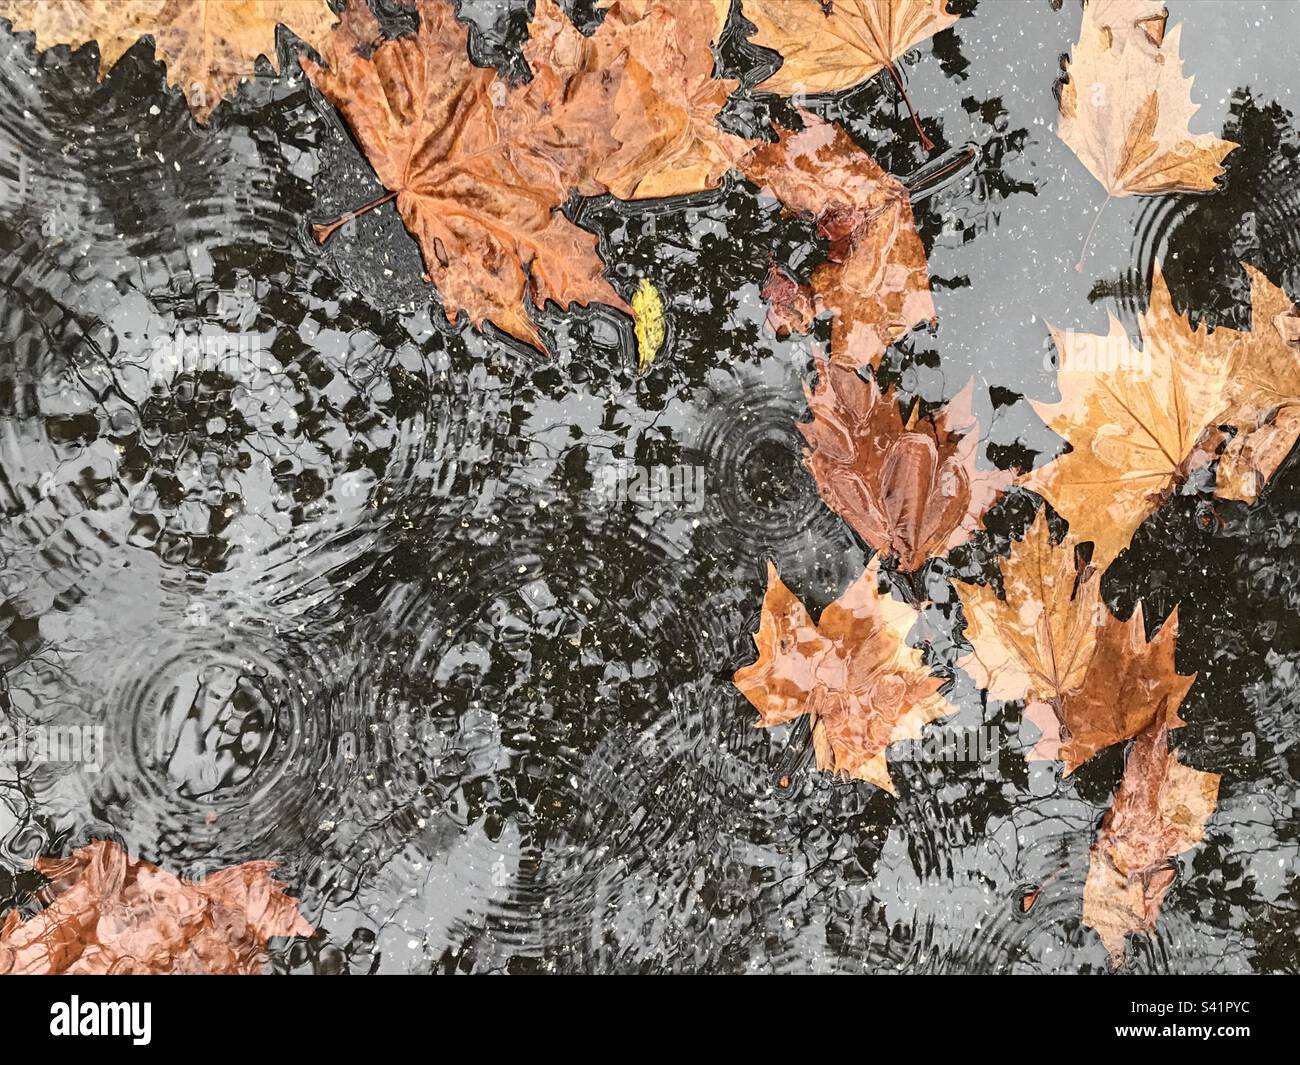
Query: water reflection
x: 449, y: 627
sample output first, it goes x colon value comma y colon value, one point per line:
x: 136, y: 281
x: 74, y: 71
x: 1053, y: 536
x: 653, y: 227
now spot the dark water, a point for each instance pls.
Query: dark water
x: 371, y: 610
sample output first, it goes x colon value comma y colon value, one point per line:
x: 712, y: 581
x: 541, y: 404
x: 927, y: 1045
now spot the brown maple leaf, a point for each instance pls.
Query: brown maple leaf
x: 1126, y: 107
x: 875, y: 281
x: 1263, y: 394
x: 791, y: 305
x: 1159, y: 811
x: 208, y: 45
x: 852, y: 672
x: 1090, y: 680
x: 910, y: 491
x: 480, y: 168
x: 109, y: 913
x: 826, y: 47
x: 1132, y: 418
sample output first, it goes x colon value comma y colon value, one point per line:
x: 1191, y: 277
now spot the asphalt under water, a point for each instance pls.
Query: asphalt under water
x: 373, y: 610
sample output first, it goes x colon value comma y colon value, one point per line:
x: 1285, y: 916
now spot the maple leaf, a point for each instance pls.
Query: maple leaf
x: 1132, y: 419
x: 480, y: 169
x: 851, y: 672
x: 1263, y: 394
x: 875, y: 281
x: 827, y: 46
x: 1159, y: 811
x: 668, y: 102
x: 912, y: 491
x: 1089, y: 680
x: 1126, y: 107
x: 207, y: 45
x: 114, y: 914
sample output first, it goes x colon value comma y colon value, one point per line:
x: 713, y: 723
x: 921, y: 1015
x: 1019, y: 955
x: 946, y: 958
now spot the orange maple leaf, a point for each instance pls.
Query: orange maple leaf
x: 875, y: 281
x: 827, y: 46
x: 911, y: 491
x: 480, y: 169
x: 1263, y: 393
x: 110, y: 913
x: 1132, y: 419
x: 852, y: 672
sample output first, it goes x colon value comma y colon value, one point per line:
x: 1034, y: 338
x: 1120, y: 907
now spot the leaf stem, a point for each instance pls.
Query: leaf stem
x: 926, y: 142
x: 1083, y: 252
x: 322, y: 231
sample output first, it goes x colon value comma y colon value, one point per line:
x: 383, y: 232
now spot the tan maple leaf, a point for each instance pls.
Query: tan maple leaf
x: 208, y: 45
x: 1263, y: 395
x: 1132, y: 418
x: 1159, y: 811
x: 1090, y: 680
x: 875, y: 281
x: 1129, y: 682
x: 912, y: 491
x: 110, y: 913
x: 827, y: 46
x: 1126, y: 108
x: 852, y: 672
x: 1035, y: 641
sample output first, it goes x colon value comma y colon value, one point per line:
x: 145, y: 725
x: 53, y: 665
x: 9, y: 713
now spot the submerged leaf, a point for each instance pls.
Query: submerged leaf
x: 910, y: 491
x: 851, y: 672
x: 111, y: 913
x: 875, y: 281
x: 1159, y: 811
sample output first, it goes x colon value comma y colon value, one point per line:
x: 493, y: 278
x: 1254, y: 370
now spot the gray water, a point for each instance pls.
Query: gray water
x: 369, y: 612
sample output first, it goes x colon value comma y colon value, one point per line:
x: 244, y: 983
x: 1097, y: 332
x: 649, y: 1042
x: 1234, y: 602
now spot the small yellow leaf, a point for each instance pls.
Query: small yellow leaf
x: 648, y: 309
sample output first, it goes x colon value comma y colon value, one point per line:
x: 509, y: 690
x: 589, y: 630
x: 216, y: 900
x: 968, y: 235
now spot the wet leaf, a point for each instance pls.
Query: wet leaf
x: 826, y: 46
x: 668, y: 101
x: 1132, y: 418
x: 911, y: 491
x: 1160, y: 810
x: 113, y: 914
x: 207, y: 45
x: 875, y: 281
x: 791, y: 305
x: 1126, y: 108
x: 1264, y: 394
x: 1089, y: 679
x: 851, y: 672
x: 648, y: 308
x: 481, y: 167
